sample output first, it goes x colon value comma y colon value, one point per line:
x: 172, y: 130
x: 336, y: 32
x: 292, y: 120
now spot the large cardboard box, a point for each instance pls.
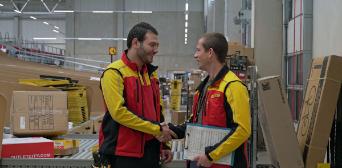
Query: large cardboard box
x: 39, y: 113
x: 7, y: 88
x: 319, y: 107
x: 277, y: 125
x: 2, y: 116
x: 27, y: 148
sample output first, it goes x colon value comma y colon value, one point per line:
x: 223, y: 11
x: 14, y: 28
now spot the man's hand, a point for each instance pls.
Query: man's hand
x: 166, y: 134
x: 166, y: 156
x: 202, y: 160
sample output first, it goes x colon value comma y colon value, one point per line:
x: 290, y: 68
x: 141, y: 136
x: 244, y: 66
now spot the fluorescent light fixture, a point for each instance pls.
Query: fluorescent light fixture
x: 17, y: 11
x: 63, y: 11
x: 186, y: 35
x: 32, y: 17
x: 185, y: 42
x: 141, y: 11
x: 96, y: 39
x: 103, y: 11
x: 186, y: 24
x: 186, y: 17
x: 44, y: 38
x: 186, y: 30
x: 56, y: 27
x: 187, y: 6
x: 55, y: 31
x: 186, y: 39
x: 46, y: 23
x: 1, y: 4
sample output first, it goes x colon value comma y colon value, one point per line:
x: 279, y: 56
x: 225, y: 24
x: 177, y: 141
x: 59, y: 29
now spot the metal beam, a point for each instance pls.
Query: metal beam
x: 47, y: 8
x: 55, y: 6
x: 15, y: 6
x: 22, y: 8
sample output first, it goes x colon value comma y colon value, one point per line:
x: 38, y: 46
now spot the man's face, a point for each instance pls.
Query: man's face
x: 202, y: 56
x: 148, y: 48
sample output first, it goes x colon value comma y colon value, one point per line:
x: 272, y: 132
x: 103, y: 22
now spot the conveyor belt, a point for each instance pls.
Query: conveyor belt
x: 82, y: 159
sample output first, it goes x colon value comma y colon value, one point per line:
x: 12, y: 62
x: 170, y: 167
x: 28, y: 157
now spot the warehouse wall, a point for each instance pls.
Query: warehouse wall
x: 173, y: 53
x: 327, y: 24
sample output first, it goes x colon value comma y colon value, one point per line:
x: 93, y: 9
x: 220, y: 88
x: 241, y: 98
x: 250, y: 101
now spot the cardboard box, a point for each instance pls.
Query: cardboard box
x: 63, y: 147
x: 319, y: 107
x: 7, y: 88
x: 277, y: 125
x: 2, y: 116
x: 39, y: 113
x: 178, y: 117
x: 27, y: 148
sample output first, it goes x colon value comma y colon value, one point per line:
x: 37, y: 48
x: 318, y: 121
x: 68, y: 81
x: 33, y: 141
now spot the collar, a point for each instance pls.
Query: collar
x: 224, y: 70
x: 146, y: 67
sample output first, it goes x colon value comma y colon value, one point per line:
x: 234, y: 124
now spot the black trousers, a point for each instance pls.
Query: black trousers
x: 151, y: 158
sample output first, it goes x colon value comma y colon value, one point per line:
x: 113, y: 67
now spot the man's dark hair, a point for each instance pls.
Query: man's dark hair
x: 218, y: 43
x: 138, y: 31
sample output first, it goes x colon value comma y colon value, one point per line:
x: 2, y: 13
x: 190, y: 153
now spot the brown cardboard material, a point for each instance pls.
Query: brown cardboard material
x: 178, y: 117
x: 39, y: 113
x: 319, y: 107
x: 6, y: 90
x: 277, y: 125
x: 2, y: 116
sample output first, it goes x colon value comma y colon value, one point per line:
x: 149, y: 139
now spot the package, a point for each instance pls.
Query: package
x: 2, y: 117
x: 277, y: 125
x: 7, y: 88
x: 63, y: 147
x: 36, y: 147
x: 319, y: 107
x: 39, y: 113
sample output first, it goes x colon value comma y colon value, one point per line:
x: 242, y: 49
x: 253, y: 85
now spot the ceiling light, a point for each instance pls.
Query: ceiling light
x: 17, y: 11
x: 96, y: 39
x: 186, y: 16
x: 186, y: 30
x: 141, y: 11
x: 44, y: 38
x: 1, y: 4
x: 56, y: 27
x: 186, y: 35
x: 103, y: 11
x: 46, y: 23
x: 32, y: 17
x: 185, y: 42
x: 186, y: 6
x: 55, y: 31
x: 63, y: 11
x: 186, y: 24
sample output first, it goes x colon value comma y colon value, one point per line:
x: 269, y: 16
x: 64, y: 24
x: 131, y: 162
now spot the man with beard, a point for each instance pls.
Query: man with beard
x: 127, y: 137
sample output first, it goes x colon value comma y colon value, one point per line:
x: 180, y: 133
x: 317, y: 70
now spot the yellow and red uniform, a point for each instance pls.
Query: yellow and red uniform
x: 133, y: 105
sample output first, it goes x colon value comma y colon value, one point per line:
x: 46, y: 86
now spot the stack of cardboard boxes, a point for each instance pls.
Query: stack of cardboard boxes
x: 176, y: 90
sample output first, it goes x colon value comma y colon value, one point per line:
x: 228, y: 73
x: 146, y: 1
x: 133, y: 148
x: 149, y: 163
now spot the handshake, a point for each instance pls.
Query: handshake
x: 166, y: 133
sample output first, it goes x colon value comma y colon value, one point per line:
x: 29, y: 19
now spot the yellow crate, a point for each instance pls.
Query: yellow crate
x: 43, y: 82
